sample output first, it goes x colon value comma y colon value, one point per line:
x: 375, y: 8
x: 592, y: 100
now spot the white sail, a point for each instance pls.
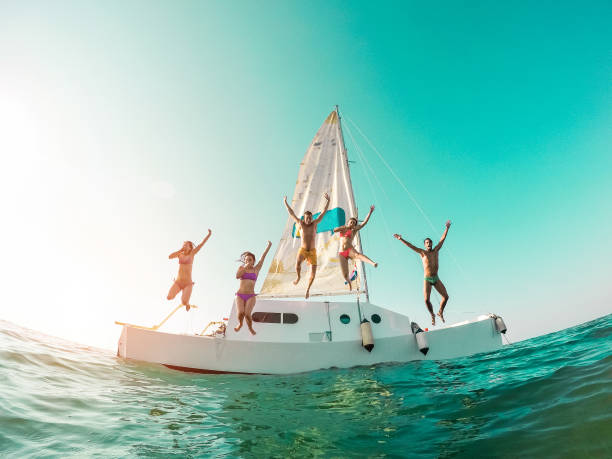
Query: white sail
x: 324, y: 169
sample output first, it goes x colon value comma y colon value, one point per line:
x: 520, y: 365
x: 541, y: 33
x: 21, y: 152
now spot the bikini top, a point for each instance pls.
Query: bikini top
x: 249, y: 276
x: 347, y: 233
x: 185, y: 260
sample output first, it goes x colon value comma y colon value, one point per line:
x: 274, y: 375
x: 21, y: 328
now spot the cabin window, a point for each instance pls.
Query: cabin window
x: 267, y: 317
x: 345, y: 319
x: 376, y: 318
x: 289, y: 318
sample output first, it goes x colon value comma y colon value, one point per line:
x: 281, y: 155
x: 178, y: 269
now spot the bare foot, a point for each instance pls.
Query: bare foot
x: 376, y: 265
x: 433, y: 319
x: 238, y: 327
x: 187, y: 307
x: 441, y: 316
x: 350, y: 285
x: 252, y: 331
x: 307, y: 294
x: 297, y: 279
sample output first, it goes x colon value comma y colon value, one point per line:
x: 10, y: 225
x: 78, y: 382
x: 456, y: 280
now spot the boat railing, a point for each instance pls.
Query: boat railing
x: 221, y: 329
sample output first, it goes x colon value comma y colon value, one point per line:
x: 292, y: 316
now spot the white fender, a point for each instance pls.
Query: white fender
x: 420, y: 337
x: 500, y: 326
x: 367, y: 339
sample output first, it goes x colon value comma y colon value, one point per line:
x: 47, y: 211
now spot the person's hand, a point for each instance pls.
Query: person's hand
x: 448, y: 223
x: 285, y: 199
x: 269, y: 244
x: 372, y: 208
x: 397, y: 236
x: 209, y: 232
x: 326, y: 196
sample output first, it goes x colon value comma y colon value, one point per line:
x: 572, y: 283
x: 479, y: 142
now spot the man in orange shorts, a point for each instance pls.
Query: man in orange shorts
x: 308, y: 250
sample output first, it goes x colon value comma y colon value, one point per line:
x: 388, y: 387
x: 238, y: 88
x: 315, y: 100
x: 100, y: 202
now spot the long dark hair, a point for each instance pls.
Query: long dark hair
x: 246, y: 254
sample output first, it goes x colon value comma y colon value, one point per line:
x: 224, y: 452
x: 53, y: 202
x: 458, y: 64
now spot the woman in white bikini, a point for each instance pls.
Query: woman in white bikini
x: 183, y: 281
x: 347, y: 234
x: 245, y: 296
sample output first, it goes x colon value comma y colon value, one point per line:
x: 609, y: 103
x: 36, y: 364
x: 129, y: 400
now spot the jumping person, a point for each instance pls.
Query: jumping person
x: 245, y: 296
x: 308, y: 250
x: 347, y: 234
x: 430, y: 265
x: 183, y: 280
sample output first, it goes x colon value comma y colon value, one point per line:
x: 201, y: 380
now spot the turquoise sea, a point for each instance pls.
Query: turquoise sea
x: 550, y: 396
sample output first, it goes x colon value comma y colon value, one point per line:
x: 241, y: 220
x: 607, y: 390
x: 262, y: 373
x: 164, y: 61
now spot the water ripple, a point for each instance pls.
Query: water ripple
x: 547, y: 396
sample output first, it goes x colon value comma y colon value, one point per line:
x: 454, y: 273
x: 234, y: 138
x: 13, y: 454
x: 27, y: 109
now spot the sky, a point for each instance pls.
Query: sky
x: 129, y: 127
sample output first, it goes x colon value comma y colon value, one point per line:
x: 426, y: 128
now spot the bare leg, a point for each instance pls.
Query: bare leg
x: 173, y: 291
x: 427, y: 293
x: 344, y: 268
x: 298, y: 268
x: 186, y: 296
x: 240, y: 308
x: 442, y: 291
x: 248, y: 309
x: 313, y: 273
x: 362, y: 257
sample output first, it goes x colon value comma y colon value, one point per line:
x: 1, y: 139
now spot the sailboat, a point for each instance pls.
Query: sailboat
x: 319, y: 333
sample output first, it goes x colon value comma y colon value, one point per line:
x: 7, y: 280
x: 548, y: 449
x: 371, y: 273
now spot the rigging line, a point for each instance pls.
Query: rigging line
x: 364, y: 160
x: 406, y: 190
x: 362, y: 155
x: 414, y: 201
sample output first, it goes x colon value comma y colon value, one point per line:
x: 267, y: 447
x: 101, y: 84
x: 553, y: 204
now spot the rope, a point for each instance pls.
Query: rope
x: 395, y: 176
x: 363, y: 160
x: 405, y: 188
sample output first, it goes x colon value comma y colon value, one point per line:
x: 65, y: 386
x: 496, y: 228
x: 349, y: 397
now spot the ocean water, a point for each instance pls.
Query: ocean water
x: 550, y: 396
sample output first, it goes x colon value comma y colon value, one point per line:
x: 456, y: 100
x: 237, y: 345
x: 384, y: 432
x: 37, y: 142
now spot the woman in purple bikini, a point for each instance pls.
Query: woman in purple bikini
x: 245, y: 296
x: 183, y: 281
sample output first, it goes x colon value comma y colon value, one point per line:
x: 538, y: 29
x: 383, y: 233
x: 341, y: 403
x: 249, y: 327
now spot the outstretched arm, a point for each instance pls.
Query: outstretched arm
x: 320, y: 217
x: 413, y: 247
x: 439, y: 245
x: 197, y: 249
x: 290, y: 210
x: 263, y: 257
x: 367, y: 219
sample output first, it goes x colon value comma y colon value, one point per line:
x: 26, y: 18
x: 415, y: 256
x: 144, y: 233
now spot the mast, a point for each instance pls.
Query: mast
x: 352, y: 201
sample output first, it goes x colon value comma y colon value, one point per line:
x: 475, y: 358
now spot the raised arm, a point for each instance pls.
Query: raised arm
x: 320, y: 217
x: 415, y: 248
x: 367, y: 219
x: 197, y: 249
x: 439, y: 245
x: 263, y: 257
x: 290, y: 210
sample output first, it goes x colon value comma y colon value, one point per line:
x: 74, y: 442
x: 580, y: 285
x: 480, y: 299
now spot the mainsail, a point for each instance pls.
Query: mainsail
x: 324, y: 169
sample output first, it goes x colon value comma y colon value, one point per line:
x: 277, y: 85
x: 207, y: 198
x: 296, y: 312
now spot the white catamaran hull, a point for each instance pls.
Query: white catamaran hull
x: 298, y: 336
x: 318, y: 340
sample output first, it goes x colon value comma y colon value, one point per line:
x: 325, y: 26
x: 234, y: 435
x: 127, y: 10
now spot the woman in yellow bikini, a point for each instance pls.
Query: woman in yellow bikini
x: 183, y: 281
x: 347, y: 234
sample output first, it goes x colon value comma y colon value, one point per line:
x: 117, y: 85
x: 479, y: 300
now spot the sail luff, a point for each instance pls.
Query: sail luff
x: 347, y: 175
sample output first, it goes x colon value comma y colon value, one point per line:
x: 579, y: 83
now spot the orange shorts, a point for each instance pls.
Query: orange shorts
x: 309, y: 255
